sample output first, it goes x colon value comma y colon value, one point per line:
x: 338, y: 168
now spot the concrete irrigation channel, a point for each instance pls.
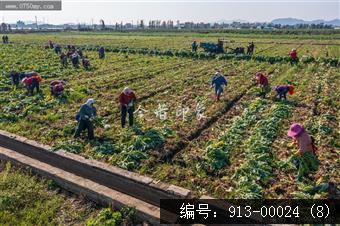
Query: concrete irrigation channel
x: 99, y: 182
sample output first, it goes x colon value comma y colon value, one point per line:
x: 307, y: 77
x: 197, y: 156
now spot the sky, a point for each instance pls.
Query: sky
x: 112, y: 11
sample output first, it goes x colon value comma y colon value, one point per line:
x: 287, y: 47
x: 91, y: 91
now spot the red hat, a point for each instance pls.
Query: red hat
x: 295, y: 130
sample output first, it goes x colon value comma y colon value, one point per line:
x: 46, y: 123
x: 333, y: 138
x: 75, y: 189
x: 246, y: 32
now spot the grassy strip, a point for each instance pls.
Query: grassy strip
x: 28, y: 200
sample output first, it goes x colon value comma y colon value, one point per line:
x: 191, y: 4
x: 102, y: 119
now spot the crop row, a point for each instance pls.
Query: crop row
x: 217, y: 153
x: 257, y: 167
x: 203, y: 55
x: 318, y: 115
x: 26, y: 107
x: 183, y: 41
x: 192, y: 163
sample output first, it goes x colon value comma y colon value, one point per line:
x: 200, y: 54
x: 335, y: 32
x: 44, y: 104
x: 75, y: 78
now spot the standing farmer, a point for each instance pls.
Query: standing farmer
x: 219, y: 82
x: 262, y: 82
x: 282, y: 91
x: 127, y: 100
x: 250, y: 48
x: 194, y: 46
x: 75, y: 60
x: 293, y: 57
x: 85, y: 116
x: 101, y: 52
x: 57, y: 49
x: 306, y: 159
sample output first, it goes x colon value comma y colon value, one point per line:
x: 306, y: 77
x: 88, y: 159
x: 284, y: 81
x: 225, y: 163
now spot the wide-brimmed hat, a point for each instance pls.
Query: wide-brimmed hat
x: 90, y: 101
x: 127, y: 91
x: 295, y: 130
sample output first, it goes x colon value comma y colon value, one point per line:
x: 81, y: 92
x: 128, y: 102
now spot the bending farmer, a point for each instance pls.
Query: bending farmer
x: 31, y: 81
x: 282, y: 90
x: 262, y: 82
x: 305, y: 160
x: 85, y: 118
x: 219, y: 82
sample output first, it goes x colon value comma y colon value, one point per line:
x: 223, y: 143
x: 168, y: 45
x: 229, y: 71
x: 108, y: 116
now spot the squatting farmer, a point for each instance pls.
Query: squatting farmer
x: 101, y: 52
x: 194, y: 46
x: 57, y: 87
x: 85, y: 118
x: 86, y: 63
x: 218, y: 82
x: 32, y: 81
x: 127, y: 101
x: 262, y: 82
x: 293, y: 57
x: 282, y: 90
x: 305, y: 160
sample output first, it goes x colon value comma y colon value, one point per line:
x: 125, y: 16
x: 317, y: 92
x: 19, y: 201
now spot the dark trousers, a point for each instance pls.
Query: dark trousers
x: 264, y: 91
x: 34, y: 85
x: 125, y: 110
x: 15, y: 80
x: 75, y: 63
x: 64, y: 62
x: 82, y: 125
x: 282, y: 94
x: 294, y: 61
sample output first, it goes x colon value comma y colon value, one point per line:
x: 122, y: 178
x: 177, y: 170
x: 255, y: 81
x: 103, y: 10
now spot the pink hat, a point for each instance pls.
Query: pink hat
x: 258, y: 75
x: 295, y: 130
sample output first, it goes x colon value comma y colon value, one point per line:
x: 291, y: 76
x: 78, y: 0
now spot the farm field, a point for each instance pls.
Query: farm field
x: 234, y: 148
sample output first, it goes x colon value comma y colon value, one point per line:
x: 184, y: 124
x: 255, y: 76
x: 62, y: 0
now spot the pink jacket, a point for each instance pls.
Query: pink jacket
x: 305, y: 143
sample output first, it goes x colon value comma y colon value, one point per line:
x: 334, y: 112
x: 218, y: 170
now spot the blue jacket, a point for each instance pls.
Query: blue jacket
x: 218, y: 81
x: 86, y: 112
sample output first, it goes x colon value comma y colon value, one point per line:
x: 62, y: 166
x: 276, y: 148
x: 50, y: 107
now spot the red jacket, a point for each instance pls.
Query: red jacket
x: 58, y: 87
x: 126, y: 99
x: 262, y: 80
x: 29, y: 80
x: 293, y: 55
